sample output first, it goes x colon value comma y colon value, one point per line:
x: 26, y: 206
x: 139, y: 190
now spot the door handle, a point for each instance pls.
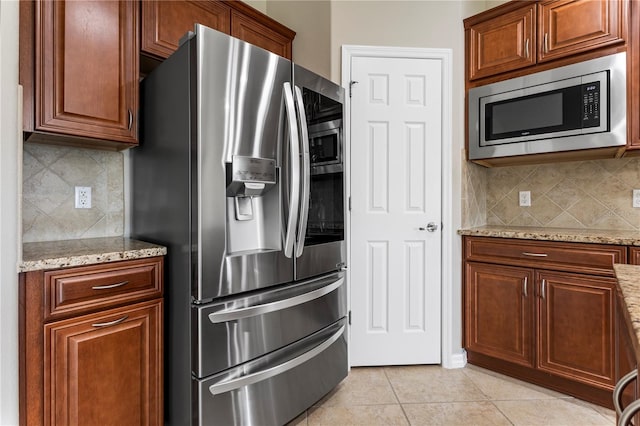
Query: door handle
x: 431, y: 227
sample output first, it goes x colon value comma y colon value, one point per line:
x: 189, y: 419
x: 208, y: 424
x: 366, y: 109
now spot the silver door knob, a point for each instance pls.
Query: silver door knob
x: 431, y: 227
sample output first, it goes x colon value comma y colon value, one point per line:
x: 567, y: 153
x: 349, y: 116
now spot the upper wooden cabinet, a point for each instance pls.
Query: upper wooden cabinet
x: 566, y: 27
x: 165, y: 22
x: 83, y: 83
x: 503, y: 43
x: 513, y: 36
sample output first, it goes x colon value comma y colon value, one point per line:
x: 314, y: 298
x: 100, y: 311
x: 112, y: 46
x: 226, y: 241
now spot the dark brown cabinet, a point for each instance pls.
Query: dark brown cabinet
x: 165, y: 22
x: 543, y: 312
x: 79, y: 66
x: 513, y: 36
x: 91, y: 344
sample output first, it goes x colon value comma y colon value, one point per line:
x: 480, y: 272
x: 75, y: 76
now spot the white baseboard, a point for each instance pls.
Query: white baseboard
x: 457, y: 360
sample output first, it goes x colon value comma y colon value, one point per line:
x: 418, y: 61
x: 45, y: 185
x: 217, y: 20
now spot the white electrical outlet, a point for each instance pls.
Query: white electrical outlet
x: 525, y: 198
x: 83, y: 197
x: 636, y: 198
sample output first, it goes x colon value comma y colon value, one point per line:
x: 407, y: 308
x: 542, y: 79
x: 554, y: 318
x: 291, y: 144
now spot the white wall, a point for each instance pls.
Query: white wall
x: 10, y: 161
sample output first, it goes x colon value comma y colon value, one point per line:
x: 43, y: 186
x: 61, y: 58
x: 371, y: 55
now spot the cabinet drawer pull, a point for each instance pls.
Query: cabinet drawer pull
x: 108, y: 286
x: 620, y: 387
x: 524, y: 285
x: 526, y: 49
x: 544, y: 285
x: 526, y: 253
x: 107, y: 324
x: 130, y: 119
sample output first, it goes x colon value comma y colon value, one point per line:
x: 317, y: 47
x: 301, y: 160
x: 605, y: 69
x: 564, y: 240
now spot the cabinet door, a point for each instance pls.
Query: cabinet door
x: 499, y: 312
x: 568, y: 27
x: 87, y: 69
x: 258, y: 34
x: 164, y: 23
x: 576, y: 327
x: 625, y: 354
x: 105, y: 368
x: 501, y: 44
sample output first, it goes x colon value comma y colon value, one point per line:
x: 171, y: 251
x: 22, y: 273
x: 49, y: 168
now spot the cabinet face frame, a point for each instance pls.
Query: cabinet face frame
x: 64, y: 107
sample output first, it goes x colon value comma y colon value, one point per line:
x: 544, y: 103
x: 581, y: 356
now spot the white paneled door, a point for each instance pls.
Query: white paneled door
x: 395, y: 158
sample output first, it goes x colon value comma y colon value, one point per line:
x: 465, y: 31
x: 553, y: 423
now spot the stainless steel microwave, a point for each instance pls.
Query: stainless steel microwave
x: 575, y: 107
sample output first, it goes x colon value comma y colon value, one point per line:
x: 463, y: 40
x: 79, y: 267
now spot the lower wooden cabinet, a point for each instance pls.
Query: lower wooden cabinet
x: 546, y: 322
x: 103, y: 366
x: 499, y: 312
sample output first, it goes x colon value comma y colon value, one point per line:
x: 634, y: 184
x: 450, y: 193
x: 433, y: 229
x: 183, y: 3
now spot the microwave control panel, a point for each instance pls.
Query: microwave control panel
x: 591, y: 104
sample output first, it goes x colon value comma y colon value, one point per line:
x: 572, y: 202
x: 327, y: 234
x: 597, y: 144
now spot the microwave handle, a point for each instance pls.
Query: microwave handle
x: 294, y: 152
x: 306, y: 173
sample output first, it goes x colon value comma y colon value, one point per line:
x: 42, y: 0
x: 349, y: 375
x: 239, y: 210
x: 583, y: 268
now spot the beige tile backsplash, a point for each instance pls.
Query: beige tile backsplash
x: 587, y: 194
x: 50, y: 174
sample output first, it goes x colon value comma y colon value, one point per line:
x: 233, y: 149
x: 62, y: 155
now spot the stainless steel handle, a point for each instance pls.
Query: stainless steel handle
x: 294, y: 151
x: 105, y: 287
x: 526, y: 253
x: 628, y: 413
x: 543, y: 289
x: 546, y: 42
x: 107, y: 324
x: 524, y: 287
x: 526, y: 49
x: 306, y: 173
x: 130, y: 119
x: 250, y: 379
x: 250, y: 311
x: 620, y: 387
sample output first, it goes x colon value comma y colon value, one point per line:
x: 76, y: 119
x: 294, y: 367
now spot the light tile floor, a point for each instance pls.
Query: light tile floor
x: 432, y: 395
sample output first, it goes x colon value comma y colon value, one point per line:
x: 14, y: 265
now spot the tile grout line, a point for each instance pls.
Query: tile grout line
x: 384, y: 370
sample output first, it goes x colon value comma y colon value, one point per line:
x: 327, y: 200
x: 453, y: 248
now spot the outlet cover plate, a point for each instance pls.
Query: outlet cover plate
x: 525, y: 198
x: 636, y: 198
x: 83, y: 197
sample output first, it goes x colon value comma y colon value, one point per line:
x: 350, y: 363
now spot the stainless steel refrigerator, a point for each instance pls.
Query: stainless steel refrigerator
x: 240, y: 174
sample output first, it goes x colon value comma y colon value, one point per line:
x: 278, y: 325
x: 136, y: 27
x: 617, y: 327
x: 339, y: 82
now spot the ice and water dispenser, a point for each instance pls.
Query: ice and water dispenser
x: 253, y: 204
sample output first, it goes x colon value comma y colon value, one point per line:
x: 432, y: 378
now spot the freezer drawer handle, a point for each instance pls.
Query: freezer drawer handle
x: 251, y: 311
x: 250, y: 379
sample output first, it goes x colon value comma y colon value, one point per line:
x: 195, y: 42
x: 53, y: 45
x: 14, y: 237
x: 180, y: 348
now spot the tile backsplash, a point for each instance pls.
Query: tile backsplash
x: 587, y: 194
x: 50, y: 175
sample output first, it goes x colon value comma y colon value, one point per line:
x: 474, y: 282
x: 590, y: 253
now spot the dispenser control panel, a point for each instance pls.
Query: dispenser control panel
x: 253, y: 169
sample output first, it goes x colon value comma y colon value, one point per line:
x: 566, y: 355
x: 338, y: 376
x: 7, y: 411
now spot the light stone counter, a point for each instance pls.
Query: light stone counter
x: 597, y: 236
x: 90, y: 251
x: 629, y: 290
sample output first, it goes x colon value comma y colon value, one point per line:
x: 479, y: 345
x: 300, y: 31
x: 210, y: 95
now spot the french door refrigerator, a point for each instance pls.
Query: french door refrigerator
x: 238, y: 176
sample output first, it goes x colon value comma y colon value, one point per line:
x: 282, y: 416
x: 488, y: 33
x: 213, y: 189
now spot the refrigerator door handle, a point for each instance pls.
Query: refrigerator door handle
x: 250, y: 311
x: 294, y: 151
x: 250, y: 379
x: 306, y: 173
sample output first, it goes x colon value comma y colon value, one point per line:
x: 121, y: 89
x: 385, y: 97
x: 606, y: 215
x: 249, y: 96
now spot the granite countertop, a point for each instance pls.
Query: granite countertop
x: 597, y: 236
x: 89, y: 251
x: 629, y: 289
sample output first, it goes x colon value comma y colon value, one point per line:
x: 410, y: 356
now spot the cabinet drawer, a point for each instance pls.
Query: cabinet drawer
x: 85, y: 289
x: 594, y: 259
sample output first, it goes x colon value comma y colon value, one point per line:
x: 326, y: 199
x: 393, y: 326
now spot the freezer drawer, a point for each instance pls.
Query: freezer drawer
x: 241, y: 329
x: 276, y: 388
